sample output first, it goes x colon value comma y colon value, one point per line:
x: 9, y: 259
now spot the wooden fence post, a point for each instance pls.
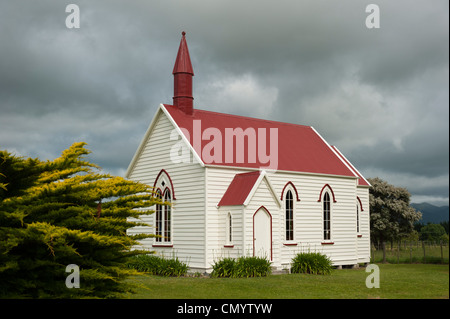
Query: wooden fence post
x: 424, y: 254
x: 410, y: 252
x: 372, y: 257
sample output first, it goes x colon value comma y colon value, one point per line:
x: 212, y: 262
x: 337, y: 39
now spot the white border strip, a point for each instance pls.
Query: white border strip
x: 335, y: 153
x: 183, y: 137
x: 354, y: 168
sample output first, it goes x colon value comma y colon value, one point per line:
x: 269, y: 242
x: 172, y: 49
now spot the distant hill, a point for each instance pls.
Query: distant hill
x: 432, y: 214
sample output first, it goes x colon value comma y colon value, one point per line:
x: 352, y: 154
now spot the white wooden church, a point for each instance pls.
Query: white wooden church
x: 245, y: 186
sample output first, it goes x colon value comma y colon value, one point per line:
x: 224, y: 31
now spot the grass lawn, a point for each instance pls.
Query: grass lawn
x: 397, y: 281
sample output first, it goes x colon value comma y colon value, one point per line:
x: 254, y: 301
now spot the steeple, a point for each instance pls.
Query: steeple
x: 183, y: 73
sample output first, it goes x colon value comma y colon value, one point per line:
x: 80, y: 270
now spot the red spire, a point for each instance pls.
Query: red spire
x: 183, y: 62
x: 183, y: 73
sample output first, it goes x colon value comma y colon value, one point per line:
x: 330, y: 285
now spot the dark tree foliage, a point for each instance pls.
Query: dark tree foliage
x: 391, y: 216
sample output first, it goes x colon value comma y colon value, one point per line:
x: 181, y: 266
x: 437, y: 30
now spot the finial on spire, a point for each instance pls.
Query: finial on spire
x: 183, y: 33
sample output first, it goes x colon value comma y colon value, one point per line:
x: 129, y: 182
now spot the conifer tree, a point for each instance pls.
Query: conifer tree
x: 62, y: 212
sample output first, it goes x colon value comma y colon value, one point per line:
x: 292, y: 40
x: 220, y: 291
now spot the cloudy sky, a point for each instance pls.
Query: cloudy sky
x: 381, y: 95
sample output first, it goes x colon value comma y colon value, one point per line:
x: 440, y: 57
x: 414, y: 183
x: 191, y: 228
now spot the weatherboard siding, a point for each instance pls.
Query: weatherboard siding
x: 308, y: 217
x: 217, y: 182
x: 224, y: 249
x: 188, y: 213
x: 345, y: 247
x: 364, y: 222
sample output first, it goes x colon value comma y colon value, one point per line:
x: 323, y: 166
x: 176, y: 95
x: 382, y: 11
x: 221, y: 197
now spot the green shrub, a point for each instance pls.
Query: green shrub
x: 241, y: 267
x: 224, y: 268
x: 311, y: 263
x: 155, y: 265
x: 252, y: 267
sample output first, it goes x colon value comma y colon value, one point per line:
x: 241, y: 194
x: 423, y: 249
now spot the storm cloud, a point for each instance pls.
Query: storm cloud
x: 380, y: 95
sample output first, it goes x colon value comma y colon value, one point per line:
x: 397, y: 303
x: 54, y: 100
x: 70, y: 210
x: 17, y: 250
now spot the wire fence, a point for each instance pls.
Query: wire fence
x: 432, y: 252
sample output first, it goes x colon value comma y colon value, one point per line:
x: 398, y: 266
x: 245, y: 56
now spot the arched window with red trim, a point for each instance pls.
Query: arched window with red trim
x: 167, y: 216
x: 164, y: 212
x: 158, y: 217
x: 357, y: 218
x: 326, y: 216
x: 289, y: 215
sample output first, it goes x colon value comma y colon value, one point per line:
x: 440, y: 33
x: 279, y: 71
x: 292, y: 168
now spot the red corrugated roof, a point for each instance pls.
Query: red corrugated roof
x: 239, y: 188
x: 300, y: 148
